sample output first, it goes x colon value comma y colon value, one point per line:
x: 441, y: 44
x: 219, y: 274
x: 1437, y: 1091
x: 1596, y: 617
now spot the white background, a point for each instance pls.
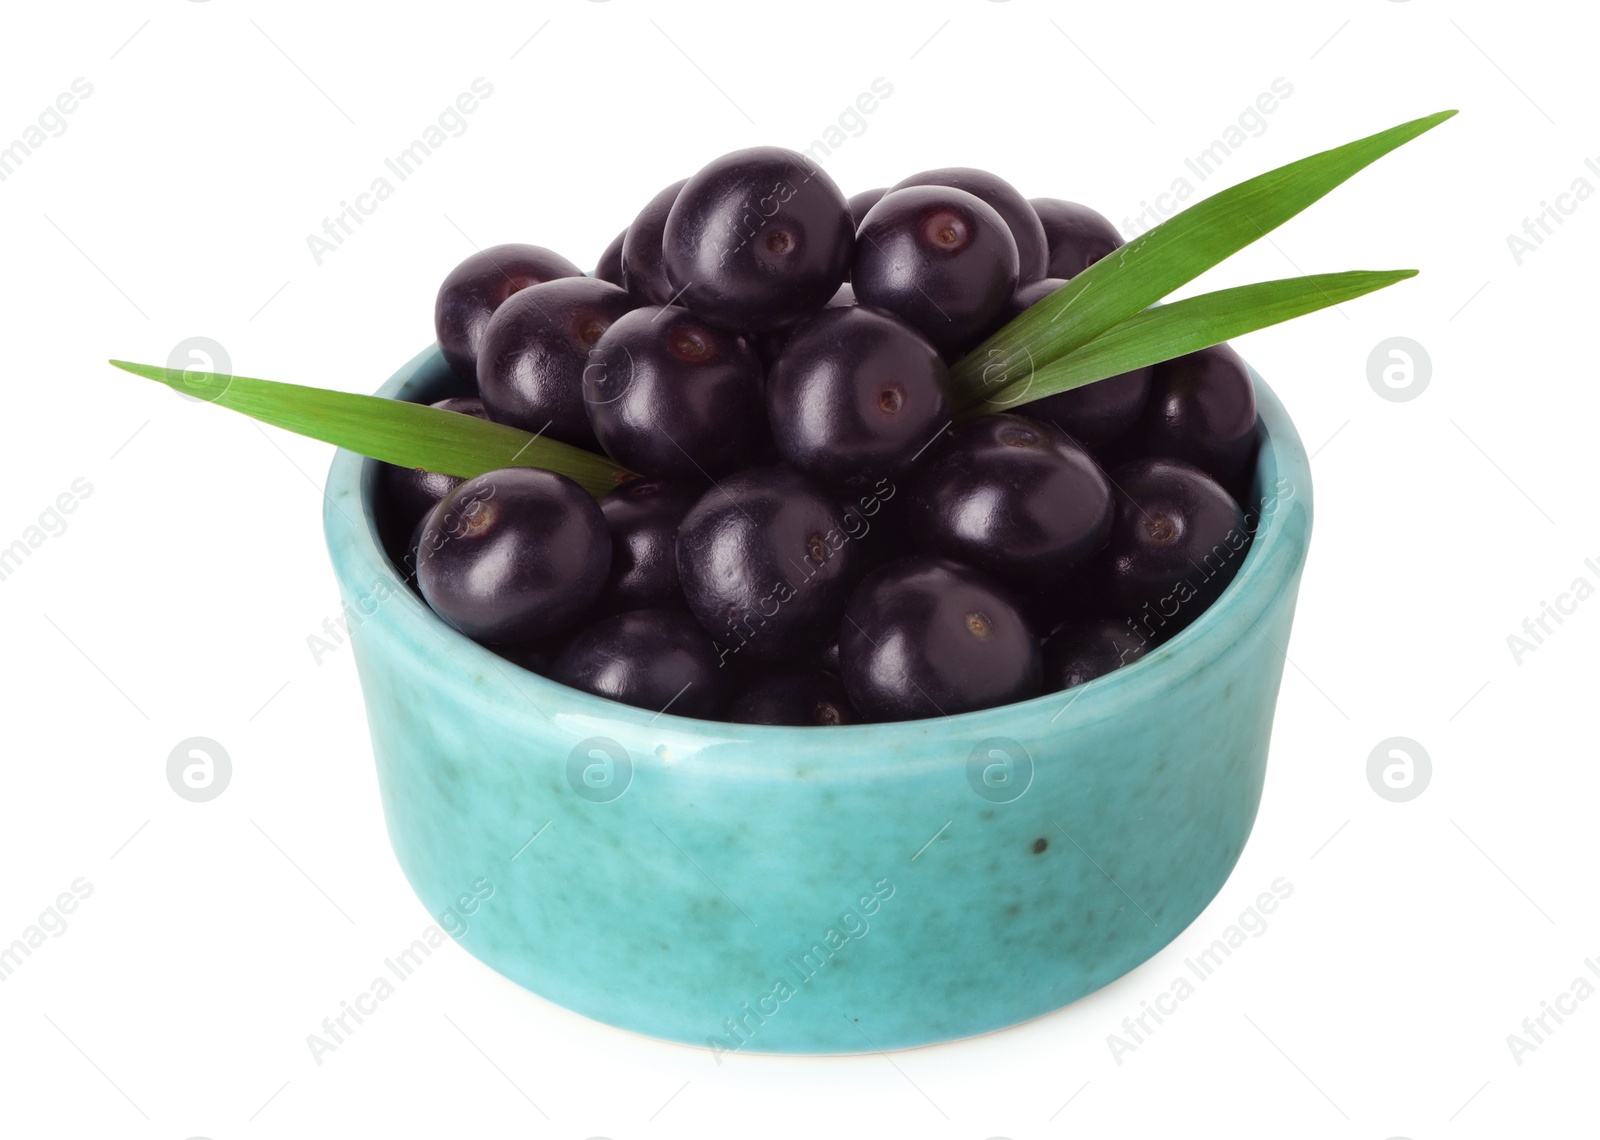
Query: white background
x: 179, y: 599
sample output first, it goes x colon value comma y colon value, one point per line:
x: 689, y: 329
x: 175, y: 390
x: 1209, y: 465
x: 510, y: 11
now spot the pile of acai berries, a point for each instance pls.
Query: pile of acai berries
x: 817, y: 534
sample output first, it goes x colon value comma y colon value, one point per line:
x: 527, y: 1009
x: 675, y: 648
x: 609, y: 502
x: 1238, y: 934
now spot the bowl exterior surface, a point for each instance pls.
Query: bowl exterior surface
x: 819, y: 890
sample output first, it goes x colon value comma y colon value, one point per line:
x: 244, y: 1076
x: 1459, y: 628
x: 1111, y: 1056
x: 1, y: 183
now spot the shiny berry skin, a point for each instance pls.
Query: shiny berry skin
x: 1076, y: 236
x: 939, y: 259
x: 671, y: 396
x: 514, y: 555
x: 409, y: 493
x: 1026, y: 229
x: 480, y: 285
x: 535, y: 350
x: 860, y: 203
x: 766, y: 564
x: 758, y: 239
x: 466, y: 405
x: 643, y: 517
x: 642, y: 270
x: 610, y: 266
x: 1202, y: 410
x: 769, y: 344
x: 659, y: 660
x: 796, y: 697
x: 1075, y: 654
x: 856, y: 395
x: 926, y: 637
x: 1096, y: 414
x: 1012, y: 497
x: 1178, y: 539
x: 1027, y: 295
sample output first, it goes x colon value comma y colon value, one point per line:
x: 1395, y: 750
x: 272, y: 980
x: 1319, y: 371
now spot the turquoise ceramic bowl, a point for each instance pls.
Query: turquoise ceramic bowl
x: 819, y: 890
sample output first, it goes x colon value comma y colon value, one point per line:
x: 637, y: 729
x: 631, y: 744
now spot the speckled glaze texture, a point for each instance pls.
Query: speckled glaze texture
x: 829, y: 890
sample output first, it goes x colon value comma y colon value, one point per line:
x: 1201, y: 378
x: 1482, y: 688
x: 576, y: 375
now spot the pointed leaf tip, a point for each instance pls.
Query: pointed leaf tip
x: 1175, y: 252
x: 393, y: 431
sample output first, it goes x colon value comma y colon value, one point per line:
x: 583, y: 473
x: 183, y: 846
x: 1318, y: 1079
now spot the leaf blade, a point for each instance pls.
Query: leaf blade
x: 1168, y: 256
x: 394, y: 431
x: 1181, y: 327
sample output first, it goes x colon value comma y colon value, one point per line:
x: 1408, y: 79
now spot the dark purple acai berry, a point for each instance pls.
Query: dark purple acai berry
x: 1019, y: 215
x: 408, y: 493
x: 653, y: 659
x: 1178, y: 539
x: 670, y: 396
x: 826, y: 658
x: 938, y: 258
x: 643, y: 273
x: 465, y: 405
x: 795, y: 696
x: 860, y: 203
x: 1202, y: 410
x: 1075, y: 598
x: 531, y: 362
x: 406, y: 561
x: 514, y: 555
x: 1013, y: 497
x: 610, y: 266
x: 855, y: 396
x: 758, y: 239
x: 1076, y: 236
x: 480, y: 285
x: 643, y: 516
x: 534, y: 656
x: 1096, y: 414
x: 769, y: 344
x: 876, y: 522
x: 1075, y: 654
x: 766, y: 564
x: 925, y: 637
x: 807, y: 537
x: 1028, y: 294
